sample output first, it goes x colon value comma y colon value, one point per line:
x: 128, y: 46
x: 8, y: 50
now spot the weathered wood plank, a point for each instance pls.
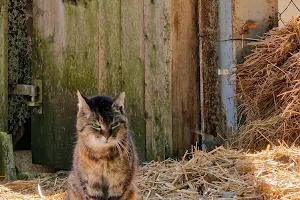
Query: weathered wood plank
x: 133, y: 69
x: 42, y: 66
x: 185, y: 74
x: 3, y: 66
x: 210, y: 92
x: 157, y: 79
x: 67, y: 56
x: 109, y: 63
x: 7, y: 166
x: 78, y: 72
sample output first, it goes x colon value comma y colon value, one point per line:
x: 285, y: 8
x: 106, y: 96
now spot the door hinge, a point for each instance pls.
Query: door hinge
x: 34, y: 91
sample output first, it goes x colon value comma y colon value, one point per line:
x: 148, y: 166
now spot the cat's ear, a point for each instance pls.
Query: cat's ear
x: 119, y: 102
x: 82, y: 103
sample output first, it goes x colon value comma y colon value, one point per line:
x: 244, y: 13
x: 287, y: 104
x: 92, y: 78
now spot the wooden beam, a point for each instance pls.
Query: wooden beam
x: 185, y: 75
x: 210, y: 94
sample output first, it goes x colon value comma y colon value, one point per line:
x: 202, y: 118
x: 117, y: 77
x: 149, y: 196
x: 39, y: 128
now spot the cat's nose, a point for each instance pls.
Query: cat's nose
x: 106, y: 136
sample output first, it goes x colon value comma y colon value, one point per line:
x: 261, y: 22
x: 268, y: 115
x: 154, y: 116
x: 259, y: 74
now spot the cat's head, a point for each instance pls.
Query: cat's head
x: 101, y: 120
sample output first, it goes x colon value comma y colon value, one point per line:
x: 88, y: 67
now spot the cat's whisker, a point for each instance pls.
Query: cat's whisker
x: 122, y: 146
x: 119, y: 148
x: 130, y: 131
x: 126, y: 149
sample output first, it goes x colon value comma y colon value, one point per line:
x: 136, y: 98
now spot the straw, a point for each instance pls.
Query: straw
x: 268, y: 90
x: 222, y: 173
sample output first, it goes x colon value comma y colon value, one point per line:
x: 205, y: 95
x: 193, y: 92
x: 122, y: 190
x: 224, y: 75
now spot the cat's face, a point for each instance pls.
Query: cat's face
x: 101, y: 120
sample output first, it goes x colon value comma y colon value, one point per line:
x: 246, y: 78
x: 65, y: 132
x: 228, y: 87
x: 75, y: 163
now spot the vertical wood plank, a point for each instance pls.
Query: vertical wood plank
x: 66, y: 50
x: 109, y: 63
x: 42, y: 66
x: 210, y: 101
x: 133, y: 69
x: 185, y: 74
x: 157, y: 79
x: 78, y: 71
x: 3, y: 66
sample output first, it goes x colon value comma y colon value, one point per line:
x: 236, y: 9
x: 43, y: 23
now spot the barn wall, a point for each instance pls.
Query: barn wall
x: 149, y: 49
x: 168, y: 56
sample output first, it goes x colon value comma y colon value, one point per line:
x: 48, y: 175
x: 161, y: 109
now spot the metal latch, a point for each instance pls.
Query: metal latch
x: 34, y: 91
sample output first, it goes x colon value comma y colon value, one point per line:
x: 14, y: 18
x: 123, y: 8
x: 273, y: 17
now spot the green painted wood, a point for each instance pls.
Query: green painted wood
x: 79, y: 72
x: 157, y: 79
x: 3, y: 66
x: 7, y: 166
x: 133, y: 70
x: 109, y: 63
x: 42, y: 65
x: 66, y: 46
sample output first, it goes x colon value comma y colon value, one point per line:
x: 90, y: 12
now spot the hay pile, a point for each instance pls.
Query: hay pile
x: 53, y: 186
x: 268, y: 89
x: 225, y: 174
x: 219, y: 174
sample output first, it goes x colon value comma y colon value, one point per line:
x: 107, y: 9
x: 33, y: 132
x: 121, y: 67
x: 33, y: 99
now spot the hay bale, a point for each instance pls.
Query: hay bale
x: 267, y: 87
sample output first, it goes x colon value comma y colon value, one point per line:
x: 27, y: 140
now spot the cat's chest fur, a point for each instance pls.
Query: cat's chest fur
x: 106, y: 172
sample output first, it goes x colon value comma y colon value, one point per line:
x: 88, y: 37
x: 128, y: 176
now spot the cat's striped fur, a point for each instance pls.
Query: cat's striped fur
x: 104, y: 160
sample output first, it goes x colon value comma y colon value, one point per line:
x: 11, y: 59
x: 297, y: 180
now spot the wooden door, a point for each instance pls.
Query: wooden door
x: 149, y: 49
x: 71, y: 52
x: 65, y: 46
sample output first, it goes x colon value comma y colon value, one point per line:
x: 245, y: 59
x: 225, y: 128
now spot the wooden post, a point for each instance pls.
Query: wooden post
x: 209, y: 64
x: 185, y: 75
x: 7, y: 166
x: 6, y: 154
x: 3, y: 66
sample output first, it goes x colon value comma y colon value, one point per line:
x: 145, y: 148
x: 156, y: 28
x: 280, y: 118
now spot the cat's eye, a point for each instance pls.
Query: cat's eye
x: 114, y: 125
x: 96, y: 126
x: 114, y: 128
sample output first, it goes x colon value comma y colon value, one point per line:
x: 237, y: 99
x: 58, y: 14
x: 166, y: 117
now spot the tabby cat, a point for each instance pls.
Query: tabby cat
x: 105, y: 159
